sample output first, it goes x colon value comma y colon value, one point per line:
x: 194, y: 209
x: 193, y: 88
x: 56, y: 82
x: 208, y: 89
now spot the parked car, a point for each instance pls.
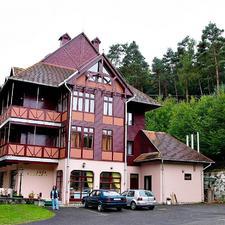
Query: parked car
x: 103, y: 199
x: 139, y: 199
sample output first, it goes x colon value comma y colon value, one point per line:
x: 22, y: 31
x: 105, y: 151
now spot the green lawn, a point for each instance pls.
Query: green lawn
x: 17, y: 214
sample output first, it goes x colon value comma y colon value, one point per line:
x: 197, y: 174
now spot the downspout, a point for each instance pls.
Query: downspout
x: 202, y: 179
x: 68, y: 146
x: 125, y: 144
x: 162, y: 169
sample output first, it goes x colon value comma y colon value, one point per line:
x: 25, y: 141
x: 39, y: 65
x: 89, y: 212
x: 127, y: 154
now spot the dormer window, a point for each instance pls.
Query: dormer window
x: 99, y: 73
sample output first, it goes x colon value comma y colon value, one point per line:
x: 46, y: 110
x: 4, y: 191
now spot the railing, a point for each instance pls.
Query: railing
x: 32, y: 114
x: 30, y: 151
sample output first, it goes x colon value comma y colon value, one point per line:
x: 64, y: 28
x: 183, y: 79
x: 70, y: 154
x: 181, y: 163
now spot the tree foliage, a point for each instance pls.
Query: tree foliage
x: 131, y: 63
x: 205, y: 116
x: 192, y: 69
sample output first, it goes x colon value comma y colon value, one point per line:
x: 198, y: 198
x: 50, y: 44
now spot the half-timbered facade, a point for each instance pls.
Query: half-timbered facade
x: 72, y: 120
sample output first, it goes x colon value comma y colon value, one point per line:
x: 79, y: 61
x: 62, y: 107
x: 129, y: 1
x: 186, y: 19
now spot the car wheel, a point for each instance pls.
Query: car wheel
x: 100, y: 208
x: 119, y: 209
x: 151, y: 207
x: 133, y: 205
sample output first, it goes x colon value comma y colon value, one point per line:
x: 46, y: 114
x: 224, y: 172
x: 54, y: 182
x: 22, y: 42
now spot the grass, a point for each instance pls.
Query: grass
x: 17, y: 214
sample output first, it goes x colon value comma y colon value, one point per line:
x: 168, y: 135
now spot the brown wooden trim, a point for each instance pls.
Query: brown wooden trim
x: 30, y: 151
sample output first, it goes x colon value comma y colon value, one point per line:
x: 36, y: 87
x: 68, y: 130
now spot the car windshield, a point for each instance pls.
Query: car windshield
x: 110, y: 193
x: 146, y: 193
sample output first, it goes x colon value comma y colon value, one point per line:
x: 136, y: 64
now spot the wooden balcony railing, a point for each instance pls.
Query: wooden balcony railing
x: 30, y: 113
x: 31, y: 151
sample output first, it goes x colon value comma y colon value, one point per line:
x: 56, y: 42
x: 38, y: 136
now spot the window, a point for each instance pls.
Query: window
x: 1, y: 179
x: 76, y: 137
x: 107, y: 140
x: 64, y: 103
x: 110, y: 180
x: 89, y: 103
x: 130, y: 145
x: 78, y: 101
x: 88, y: 99
x: 81, y: 182
x: 62, y: 143
x: 187, y: 176
x: 108, y: 106
x: 98, y: 73
x: 82, y: 137
x: 130, y: 118
x: 88, y: 138
x: 130, y: 194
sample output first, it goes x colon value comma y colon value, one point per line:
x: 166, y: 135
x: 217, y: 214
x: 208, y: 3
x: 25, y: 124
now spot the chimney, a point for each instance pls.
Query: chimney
x: 64, y: 39
x: 96, y: 42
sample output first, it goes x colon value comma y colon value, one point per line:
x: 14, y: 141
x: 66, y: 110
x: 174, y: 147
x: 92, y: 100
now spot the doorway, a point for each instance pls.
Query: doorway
x: 148, y: 183
x: 134, y: 181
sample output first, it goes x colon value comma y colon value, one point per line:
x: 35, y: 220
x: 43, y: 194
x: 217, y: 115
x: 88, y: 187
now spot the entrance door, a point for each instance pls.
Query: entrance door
x: 148, y: 183
x: 134, y: 181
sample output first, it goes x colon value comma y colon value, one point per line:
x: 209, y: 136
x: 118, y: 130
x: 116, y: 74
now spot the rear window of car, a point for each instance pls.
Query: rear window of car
x: 145, y: 193
x: 110, y: 193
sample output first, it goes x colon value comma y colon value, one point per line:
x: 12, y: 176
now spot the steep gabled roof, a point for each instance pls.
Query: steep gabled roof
x: 61, y: 65
x: 169, y: 148
x: 44, y: 74
x: 74, y: 53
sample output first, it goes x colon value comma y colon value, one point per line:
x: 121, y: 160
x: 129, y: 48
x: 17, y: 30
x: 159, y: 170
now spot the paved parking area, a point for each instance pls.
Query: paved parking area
x: 200, y: 214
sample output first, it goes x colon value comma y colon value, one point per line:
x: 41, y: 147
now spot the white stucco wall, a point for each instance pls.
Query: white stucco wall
x: 186, y: 191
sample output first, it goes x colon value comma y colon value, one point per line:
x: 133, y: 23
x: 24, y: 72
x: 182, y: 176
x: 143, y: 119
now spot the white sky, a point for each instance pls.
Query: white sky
x: 29, y: 29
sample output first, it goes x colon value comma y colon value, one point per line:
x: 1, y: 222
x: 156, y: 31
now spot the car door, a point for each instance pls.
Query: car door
x: 91, y: 198
x: 130, y: 197
x: 124, y: 194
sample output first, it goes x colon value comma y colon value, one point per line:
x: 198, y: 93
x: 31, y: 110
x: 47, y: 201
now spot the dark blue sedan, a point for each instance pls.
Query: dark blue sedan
x: 102, y: 199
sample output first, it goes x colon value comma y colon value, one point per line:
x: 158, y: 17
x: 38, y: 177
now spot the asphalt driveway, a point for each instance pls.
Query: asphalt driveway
x: 200, y: 214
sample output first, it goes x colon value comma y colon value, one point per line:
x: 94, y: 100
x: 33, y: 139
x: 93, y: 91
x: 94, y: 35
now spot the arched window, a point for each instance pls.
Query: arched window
x: 110, y: 180
x: 81, y: 183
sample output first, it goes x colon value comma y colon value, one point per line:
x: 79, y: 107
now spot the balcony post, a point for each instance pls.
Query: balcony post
x: 9, y: 132
x: 34, y: 141
x: 37, y: 97
x: 12, y: 92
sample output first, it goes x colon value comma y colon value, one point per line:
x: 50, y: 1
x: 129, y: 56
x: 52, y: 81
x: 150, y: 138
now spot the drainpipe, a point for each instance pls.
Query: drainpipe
x: 125, y: 144
x: 68, y: 146
x: 202, y: 178
x: 162, y: 181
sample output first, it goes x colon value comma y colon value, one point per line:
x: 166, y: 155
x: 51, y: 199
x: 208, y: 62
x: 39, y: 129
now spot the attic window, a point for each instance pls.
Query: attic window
x: 99, y: 74
x: 94, y: 68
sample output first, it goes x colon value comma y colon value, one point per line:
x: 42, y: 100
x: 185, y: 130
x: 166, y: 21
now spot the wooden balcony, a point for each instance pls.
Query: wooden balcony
x: 31, y: 114
x: 35, y: 151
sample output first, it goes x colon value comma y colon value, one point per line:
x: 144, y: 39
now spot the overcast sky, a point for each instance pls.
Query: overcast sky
x: 29, y: 29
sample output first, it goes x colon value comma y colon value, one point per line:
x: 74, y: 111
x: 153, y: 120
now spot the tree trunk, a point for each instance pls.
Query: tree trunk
x: 217, y: 71
x: 200, y: 87
x: 175, y: 88
x: 186, y: 90
x: 159, y: 84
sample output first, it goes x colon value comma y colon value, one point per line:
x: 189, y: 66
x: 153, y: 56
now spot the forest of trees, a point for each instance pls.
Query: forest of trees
x: 188, y: 82
x: 193, y: 69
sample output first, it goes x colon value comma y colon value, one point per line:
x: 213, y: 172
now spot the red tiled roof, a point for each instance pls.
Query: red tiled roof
x: 170, y: 149
x: 42, y: 73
